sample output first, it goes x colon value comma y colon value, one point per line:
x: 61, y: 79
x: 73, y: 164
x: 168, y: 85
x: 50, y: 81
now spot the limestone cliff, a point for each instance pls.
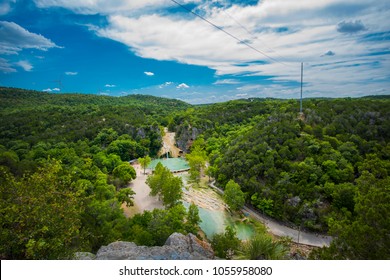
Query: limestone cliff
x: 185, y: 135
x: 177, y: 247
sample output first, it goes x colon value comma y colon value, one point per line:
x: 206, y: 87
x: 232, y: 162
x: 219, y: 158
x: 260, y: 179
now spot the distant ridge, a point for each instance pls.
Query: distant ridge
x: 11, y: 97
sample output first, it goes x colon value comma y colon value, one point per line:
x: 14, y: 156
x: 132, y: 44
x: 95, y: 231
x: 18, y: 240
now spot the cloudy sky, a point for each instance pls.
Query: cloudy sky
x: 199, y: 51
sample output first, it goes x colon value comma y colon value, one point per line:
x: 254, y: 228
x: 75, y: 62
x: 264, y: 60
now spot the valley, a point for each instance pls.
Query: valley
x: 67, y: 185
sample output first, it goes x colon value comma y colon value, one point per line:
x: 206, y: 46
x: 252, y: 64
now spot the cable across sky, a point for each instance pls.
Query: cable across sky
x: 227, y: 33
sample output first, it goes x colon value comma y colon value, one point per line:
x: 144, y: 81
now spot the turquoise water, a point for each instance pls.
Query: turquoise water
x: 172, y: 164
x: 212, y: 221
x: 244, y: 231
x: 215, y: 222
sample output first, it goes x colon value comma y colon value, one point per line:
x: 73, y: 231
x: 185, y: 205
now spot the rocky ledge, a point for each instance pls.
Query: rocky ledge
x: 177, y: 247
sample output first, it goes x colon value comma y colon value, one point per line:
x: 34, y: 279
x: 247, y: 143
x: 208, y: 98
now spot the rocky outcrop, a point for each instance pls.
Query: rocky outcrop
x: 185, y: 136
x: 177, y: 247
x: 84, y: 256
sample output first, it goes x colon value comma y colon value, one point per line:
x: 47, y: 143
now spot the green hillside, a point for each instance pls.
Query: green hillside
x: 63, y: 161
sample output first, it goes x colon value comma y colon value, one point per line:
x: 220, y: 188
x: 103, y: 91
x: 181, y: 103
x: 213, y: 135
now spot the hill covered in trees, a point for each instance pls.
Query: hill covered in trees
x: 319, y: 171
x: 63, y: 162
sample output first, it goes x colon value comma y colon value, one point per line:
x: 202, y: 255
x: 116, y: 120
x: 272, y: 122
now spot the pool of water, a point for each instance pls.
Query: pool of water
x: 214, y: 222
x: 173, y: 164
x: 244, y: 231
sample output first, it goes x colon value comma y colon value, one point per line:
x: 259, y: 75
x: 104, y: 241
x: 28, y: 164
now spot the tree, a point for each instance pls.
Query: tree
x: 152, y: 228
x: 233, y: 196
x: 125, y: 173
x: 172, y: 191
x: 156, y: 181
x: 126, y: 195
x: 225, y: 244
x: 107, y: 162
x: 164, y: 184
x: 263, y: 204
x: 262, y: 247
x: 365, y: 236
x: 211, y: 171
x: 40, y: 214
x: 145, y: 161
x: 196, y: 160
x: 193, y: 219
x: 127, y: 149
x: 106, y: 136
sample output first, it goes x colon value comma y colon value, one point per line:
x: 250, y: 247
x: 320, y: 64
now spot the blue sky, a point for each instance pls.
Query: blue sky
x: 155, y: 47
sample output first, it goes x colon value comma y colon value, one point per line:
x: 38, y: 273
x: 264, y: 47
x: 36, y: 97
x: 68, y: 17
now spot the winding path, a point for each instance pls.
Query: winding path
x: 278, y: 229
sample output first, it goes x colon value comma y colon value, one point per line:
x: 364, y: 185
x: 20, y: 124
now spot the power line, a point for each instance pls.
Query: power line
x: 226, y: 32
x: 250, y: 33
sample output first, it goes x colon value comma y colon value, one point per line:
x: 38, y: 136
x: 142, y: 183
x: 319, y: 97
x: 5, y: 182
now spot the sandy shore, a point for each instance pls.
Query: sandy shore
x: 203, y: 197
x: 142, y: 200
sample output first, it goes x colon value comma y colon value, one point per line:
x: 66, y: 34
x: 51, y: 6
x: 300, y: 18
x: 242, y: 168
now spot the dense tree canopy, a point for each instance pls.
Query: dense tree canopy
x: 64, y: 165
x: 40, y: 214
x: 233, y: 196
x: 63, y: 168
x: 302, y: 170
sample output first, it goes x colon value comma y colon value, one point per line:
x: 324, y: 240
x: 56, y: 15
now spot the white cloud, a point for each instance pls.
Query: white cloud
x: 183, y: 39
x: 182, y: 86
x: 166, y: 84
x: 26, y: 65
x: 6, y: 6
x: 6, y: 67
x: 51, y: 89
x: 109, y: 7
x: 71, y: 73
x: 149, y: 73
x: 227, y: 82
x: 241, y: 95
x: 110, y: 86
x: 14, y: 38
x: 288, y: 31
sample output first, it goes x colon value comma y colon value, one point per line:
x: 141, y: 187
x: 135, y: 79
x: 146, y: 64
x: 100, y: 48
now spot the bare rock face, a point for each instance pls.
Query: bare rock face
x: 177, y: 247
x: 84, y: 256
x: 185, y: 137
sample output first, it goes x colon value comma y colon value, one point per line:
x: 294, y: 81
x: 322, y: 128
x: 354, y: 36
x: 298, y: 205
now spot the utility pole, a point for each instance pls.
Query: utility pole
x: 300, y: 111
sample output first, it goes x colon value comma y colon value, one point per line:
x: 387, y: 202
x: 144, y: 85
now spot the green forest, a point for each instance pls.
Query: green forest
x: 64, y: 169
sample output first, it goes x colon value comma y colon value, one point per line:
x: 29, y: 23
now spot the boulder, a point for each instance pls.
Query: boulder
x: 84, y: 256
x: 177, y: 247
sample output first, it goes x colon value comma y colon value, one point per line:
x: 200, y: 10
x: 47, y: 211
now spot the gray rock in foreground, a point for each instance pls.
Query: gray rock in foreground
x: 84, y: 256
x: 177, y: 247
